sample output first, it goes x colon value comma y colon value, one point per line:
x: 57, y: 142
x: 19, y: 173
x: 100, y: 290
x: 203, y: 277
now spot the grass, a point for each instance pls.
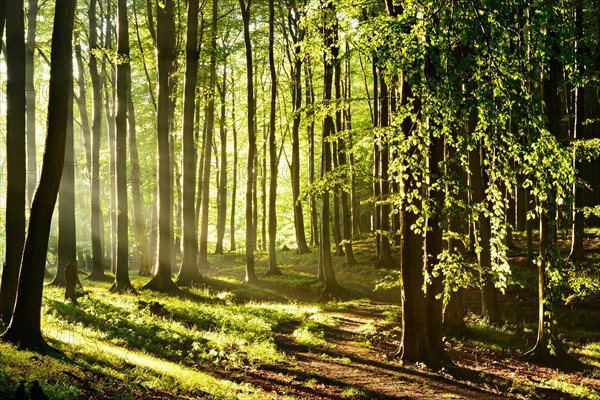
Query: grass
x: 160, y: 346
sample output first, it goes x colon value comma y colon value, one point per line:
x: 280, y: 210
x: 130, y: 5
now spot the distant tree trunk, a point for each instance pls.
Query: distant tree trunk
x: 296, y: 85
x: 383, y: 159
x: 263, y: 198
x: 165, y: 41
x: 109, y: 102
x: 210, y: 125
x: 97, y: 225
x: 346, y: 222
x: 376, y: 224
x: 222, y: 193
x: 331, y: 287
x: 153, y: 236
x: 273, y: 161
x: 15, y: 155
x: 190, y: 273
x: 577, y: 228
x: 136, y: 190
x: 355, y: 230
x: 250, y: 223
x: 310, y: 100
x: 24, y: 328
x: 489, y: 296
x: 122, y: 283
x: 232, y: 244
x: 335, y: 223
x: 83, y: 112
x: 67, y: 246
x: 32, y: 10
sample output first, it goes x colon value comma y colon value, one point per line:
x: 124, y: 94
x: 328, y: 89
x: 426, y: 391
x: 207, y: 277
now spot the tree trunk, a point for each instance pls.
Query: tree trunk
x: 232, y: 244
x: 165, y: 41
x: 346, y: 223
x: 136, y: 190
x: 109, y: 102
x: 189, y: 272
x: 384, y: 209
x: 273, y: 161
x: 96, y: 213
x: 83, y: 113
x: 490, y: 307
x: 296, y: 89
x: 32, y: 10
x: 24, y: 329
x: 548, y: 348
x: 222, y: 177
x: 210, y: 124
x: 250, y: 223
x: 331, y: 288
x: 415, y: 341
x: 15, y: 157
x: 67, y: 244
x: 310, y: 100
x: 122, y: 283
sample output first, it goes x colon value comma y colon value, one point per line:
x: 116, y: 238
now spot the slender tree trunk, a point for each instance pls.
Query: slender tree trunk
x: 232, y: 244
x: 250, y: 177
x: 109, y: 102
x: 577, y: 229
x: 153, y: 236
x: 136, y: 190
x: 296, y: 89
x: 210, y: 124
x: 384, y: 209
x: 15, y: 157
x: 490, y: 307
x: 263, y: 197
x: 24, y: 329
x: 376, y: 223
x: 67, y: 245
x: 122, y: 282
x: 329, y: 29
x: 222, y: 177
x: 96, y: 213
x: 32, y: 10
x: 273, y: 161
x: 310, y: 100
x: 346, y: 223
x: 189, y: 268
x: 165, y: 41
x: 83, y: 112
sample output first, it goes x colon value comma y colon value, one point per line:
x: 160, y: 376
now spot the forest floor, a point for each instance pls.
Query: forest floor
x: 227, y: 340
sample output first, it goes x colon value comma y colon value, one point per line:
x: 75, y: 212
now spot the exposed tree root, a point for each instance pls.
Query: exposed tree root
x: 158, y: 284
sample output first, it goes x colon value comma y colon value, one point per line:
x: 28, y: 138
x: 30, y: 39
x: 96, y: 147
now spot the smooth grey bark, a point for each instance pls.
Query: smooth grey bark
x: 165, y: 42
x: 122, y: 284
x: 189, y: 272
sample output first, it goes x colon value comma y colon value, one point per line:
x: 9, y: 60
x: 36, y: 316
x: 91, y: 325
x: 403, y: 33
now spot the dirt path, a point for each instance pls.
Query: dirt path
x: 346, y: 369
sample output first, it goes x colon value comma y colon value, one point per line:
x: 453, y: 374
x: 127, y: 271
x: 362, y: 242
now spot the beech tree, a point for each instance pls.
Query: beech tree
x: 165, y: 40
x: 24, y: 329
x: 15, y: 159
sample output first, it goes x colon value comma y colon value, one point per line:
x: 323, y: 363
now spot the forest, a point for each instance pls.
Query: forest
x: 300, y: 199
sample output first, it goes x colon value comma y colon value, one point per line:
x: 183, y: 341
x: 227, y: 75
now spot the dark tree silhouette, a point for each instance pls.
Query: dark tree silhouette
x: 24, y: 328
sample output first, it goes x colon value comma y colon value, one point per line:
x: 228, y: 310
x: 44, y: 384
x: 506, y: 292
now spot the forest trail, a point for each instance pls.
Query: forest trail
x: 345, y: 368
